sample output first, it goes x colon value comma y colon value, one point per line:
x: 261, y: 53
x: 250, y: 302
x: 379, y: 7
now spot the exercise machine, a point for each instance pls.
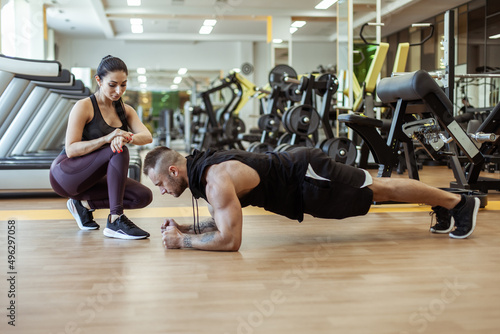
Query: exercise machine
x: 35, y: 101
x: 221, y: 128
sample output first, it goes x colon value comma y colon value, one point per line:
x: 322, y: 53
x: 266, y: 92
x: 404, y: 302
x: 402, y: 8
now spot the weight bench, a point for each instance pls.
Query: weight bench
x: 368, y: 129
x: 420, y: 86
x: 402, y: 92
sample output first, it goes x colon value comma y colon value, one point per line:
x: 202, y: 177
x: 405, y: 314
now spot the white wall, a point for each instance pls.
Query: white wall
x: 306, y: 56
x: 74, y: 52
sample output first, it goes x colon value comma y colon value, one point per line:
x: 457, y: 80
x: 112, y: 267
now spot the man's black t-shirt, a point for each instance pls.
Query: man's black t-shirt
x: 303, y: 180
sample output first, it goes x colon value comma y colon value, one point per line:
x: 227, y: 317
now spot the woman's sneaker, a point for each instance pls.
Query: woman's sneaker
x: 123, y: 228
x: 82, y: 215
x: 465, y: 217
x: 444, y: 221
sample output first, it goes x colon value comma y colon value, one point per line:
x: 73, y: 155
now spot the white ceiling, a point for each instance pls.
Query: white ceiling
x: 237, y: 20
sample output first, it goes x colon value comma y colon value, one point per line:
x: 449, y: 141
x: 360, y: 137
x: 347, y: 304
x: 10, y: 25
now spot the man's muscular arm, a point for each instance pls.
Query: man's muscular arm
x: 227, y: 214
x: 207, y: 225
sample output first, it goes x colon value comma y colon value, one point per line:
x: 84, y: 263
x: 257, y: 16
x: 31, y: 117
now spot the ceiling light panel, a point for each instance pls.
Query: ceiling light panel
x: 134, y: 2
x: 298, y: 24
x: 205, y: 30
x: 210, y: 23
x: 325, y: 4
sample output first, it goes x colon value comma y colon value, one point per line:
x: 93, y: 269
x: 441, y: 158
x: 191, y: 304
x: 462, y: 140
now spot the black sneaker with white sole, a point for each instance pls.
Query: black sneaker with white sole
x: 123, y: 228
x: 444, y: 221
x: 82, y: 215
x: 465, y: 217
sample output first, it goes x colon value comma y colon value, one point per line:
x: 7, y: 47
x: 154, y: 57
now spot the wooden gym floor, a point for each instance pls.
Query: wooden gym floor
x: 382, y: 273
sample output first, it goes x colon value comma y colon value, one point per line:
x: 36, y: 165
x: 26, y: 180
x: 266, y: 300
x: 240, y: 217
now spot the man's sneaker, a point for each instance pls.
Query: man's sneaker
x: 444, y: 220
x: 123, y: 228
x: 82, y: 215
x: 465, y: 217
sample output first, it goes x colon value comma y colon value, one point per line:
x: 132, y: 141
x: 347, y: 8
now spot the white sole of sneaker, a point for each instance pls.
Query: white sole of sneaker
x: 117, y: 235
x: 477, y: 203
x: 74, y: 213
x: 452, y: 225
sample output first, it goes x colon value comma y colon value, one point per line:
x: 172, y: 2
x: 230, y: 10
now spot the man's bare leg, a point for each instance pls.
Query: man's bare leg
x: 411, y: 191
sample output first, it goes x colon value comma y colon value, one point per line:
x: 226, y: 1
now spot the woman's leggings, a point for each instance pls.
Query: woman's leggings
x: 100, y: 178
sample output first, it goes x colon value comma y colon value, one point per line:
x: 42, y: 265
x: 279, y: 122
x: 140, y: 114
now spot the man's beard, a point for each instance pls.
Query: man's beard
x: 179, y: 185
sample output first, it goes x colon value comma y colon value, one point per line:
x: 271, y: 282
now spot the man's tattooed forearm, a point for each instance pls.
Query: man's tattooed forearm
x: 205, y: 237
x: 207, y: 225
x: 187, y: 242
x: 208, y: 237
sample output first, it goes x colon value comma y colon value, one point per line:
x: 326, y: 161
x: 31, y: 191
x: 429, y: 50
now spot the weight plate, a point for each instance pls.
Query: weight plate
x: 306, y: 141
x: 283, y: 147
x: 251, y: 147
x: 322, y: 79
x: 284, y: 139
x: 233, y: 127
x: 334, y: 85
x: 284, y: 120
x: 262, y: 148
x: 341, y: 150
x: 292, y: 93
x: 279, y: 72
x: 269, y: 123
x: 304, y: 83
x: 302, y: 120
x: 320, y: 144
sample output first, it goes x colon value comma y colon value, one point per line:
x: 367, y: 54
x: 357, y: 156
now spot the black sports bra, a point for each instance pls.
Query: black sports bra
x: 98, y: 127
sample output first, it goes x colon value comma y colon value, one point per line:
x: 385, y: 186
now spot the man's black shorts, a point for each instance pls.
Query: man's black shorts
x: 335, y: 190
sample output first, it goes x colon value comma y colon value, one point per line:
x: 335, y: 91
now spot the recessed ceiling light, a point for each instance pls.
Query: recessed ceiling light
x: 177, y: 80
x: 137, y: 29
x: 142, y: 78
x: 135, y: 21
x: 325, y: 4
x: 497, y: 36
x: 182, y: 71
x: 298, y: 24
x: 210, y: 23
x: 293, y: 29
x: 205, y: 30
x: 134, y: 2
x: 277, y: 41
x: 141, y: 70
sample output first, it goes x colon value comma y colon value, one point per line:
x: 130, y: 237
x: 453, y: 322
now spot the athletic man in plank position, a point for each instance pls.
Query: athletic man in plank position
x: 303, y: 180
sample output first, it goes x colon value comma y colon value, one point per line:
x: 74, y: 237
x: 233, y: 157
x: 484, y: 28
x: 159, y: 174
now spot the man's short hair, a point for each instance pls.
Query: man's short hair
x: 159, y: 159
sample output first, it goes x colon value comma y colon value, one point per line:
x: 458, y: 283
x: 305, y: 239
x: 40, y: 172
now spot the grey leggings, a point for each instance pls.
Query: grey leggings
x: 100, y: 178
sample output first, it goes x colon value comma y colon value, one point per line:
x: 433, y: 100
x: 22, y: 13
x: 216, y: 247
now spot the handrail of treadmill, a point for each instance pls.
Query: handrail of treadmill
x: 23, y: 66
